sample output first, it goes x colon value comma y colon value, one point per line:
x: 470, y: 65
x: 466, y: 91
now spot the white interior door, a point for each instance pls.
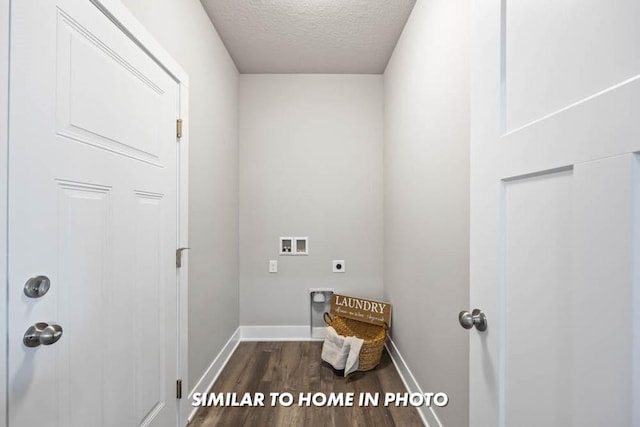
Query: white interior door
x: 92, y: 206
x: 554, y: 218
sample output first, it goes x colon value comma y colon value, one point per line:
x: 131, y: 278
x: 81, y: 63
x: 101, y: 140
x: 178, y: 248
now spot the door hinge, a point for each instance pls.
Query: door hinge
x: 179, y: 128
x: 179, y: 256
x: 179, y: 389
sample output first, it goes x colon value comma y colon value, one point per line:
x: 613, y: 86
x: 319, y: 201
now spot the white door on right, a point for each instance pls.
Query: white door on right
x: 555, y: 213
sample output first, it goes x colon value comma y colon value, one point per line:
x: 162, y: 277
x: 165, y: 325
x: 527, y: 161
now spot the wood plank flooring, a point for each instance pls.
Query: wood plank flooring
x: 295, y: 367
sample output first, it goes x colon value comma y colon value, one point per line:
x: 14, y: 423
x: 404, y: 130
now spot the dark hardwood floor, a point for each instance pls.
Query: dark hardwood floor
x: 295, y: 367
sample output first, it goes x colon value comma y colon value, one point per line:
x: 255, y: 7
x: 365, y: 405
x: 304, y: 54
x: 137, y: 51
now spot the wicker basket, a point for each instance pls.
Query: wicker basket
x: 374, y: 337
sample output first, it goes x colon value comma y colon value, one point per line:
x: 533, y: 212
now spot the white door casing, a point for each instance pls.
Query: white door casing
x: 555, y: 94
x: 4, y: 144
x: 94, y: 204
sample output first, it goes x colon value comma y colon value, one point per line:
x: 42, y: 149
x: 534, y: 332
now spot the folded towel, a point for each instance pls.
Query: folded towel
x: 341, y: 352
x: 353, y: 359
x: 334, y: 350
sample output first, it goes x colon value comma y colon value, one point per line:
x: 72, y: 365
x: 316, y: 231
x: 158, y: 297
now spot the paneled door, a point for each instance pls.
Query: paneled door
x: 93, y: 218
x: 555, y: 186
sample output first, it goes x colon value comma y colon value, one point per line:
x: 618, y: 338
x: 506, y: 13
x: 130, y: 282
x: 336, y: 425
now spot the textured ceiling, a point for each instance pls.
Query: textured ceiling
x: 309, y: 36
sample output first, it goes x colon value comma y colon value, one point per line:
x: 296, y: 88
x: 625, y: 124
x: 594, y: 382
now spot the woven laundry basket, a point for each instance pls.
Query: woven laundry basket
x: 374, y: 337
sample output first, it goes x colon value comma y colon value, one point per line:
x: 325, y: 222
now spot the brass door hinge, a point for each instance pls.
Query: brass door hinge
x: 179, y: 256
x: 179, y: 128
x: 179, y: 389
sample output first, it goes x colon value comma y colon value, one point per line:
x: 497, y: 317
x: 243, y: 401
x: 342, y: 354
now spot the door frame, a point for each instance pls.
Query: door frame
x: 125, y: 20
x: 4, y: 151
x: 4, y: 166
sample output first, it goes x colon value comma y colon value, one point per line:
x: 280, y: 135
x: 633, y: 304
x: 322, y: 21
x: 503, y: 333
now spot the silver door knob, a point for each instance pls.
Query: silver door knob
x: 42, y: 333
x: 476, y: 318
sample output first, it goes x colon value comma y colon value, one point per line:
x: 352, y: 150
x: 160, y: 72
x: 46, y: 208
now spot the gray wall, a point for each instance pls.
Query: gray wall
x: 310, y: 165
x: 311, y: 156
x: 184, y: 29
x: 426, y: 201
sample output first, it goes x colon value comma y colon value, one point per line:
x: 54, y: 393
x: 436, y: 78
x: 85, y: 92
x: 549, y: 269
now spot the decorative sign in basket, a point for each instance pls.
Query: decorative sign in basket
x: 366, y: 319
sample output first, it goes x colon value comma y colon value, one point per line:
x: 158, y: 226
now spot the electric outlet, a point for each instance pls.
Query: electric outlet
x: 273, y: 266
x: 339, y: 266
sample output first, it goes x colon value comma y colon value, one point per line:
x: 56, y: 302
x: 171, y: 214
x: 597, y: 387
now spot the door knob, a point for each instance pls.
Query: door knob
x: 42, y: 333
x: 476, y: 318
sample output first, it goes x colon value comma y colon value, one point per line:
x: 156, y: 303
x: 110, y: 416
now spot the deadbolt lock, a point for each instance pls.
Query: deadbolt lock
x: 37, y: 286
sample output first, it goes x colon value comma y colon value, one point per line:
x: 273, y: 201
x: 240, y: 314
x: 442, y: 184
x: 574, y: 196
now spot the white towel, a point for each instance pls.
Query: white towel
x: 334, y: 350
x: 353, y: 359
x: 341, y: 352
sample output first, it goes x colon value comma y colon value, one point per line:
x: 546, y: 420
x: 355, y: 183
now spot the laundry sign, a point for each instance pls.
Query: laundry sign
x: 364, y: 310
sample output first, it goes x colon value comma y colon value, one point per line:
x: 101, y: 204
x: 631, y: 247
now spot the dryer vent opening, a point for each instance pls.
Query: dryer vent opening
x: 319, y: 303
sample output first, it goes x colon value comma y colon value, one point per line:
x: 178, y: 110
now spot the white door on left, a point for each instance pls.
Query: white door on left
x: 93, y: 207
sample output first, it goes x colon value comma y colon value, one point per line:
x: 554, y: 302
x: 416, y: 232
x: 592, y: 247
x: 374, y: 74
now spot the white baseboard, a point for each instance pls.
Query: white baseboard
x: 427, y: 413
x: 276, y: 333
x: 318, y: 332
x: 213, y: 371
